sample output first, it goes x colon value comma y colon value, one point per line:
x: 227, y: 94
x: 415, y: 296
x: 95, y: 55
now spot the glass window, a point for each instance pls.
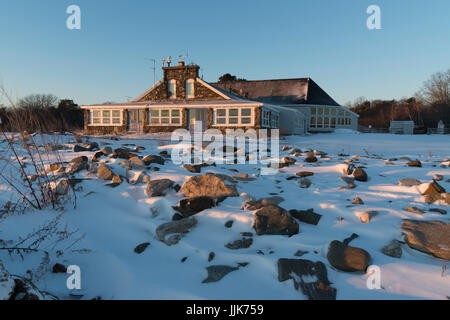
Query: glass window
x: 233, y: 120
x: 326, y: 122
x: 341, y: 112
x: 327, y: 111
x: 221, y: 121
x: 164, y: 113
x: 313, y: 122
x: 246, y: 112
x: 175, y: 113
x: 189, y: 88
x: 333, y: 122
x: 246, y: 120
x: 165, y: 116
x: 333, y: 111
x: 313, y: 110
x: 319, y: 122
x: 172, y: 89
x: 154, y: 113
x: 221, y: 113
x: 347, y: 114
x: 319, y: 110
x: 233, y: 112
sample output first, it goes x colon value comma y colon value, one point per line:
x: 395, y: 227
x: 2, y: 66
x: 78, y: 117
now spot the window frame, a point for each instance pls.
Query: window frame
x: 101, y: 117
x: 238, y: 117
x: 169, y: 117
x: 169, y: 83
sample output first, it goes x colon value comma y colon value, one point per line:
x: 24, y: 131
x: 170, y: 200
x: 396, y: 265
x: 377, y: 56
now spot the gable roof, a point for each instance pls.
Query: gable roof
x: 280, y: 91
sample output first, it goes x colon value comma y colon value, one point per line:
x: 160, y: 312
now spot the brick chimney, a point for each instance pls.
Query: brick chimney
x: 181, y: 72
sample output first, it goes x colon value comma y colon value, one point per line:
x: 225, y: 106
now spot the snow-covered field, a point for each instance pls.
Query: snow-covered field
x: 111, y: 222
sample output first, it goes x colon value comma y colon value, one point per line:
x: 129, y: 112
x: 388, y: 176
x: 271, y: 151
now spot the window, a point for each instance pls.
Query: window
x: 274, y: 120
x: 333, y: 111
x: 327, y: 111
x: 326, y: 122
x: 347, y: 121
x: 341, y: 112
x: 320, y: 111
x: 313, y: 122
x: 190, y: 89
x: 319, y: 122
x: 313, y: 110
x: 165, y: 117
x: 233, y: 117
x: 172, y: 89
x: 105, y: 117
x: 266, y: 118
x: 333, y: 122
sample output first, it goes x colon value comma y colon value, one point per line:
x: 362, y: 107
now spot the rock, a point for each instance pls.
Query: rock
x: 216, y: 273
x: 414, y: 210
x: 229, y: 224
x: 59, y: 268
x: 62, y: 187
x: 431, y: 188
x: 78, y: 148
x: 192, y: 168
x: 348, y: 169
x: 310, y: 277
x: 154, y: 160
x: 251, y: 204
x: 415, y: 163
x: 357, y: 200
x: 431, y: 237
x: 443, y: 198
x: 176, y: 229
x: 409, y: 182
x: 121, y: 153
x: 177, y: 217
x: 393, y: 249
x: 211, y: 256
x: 304, y: 174
x: 157, y: 188
x: 348, y: 180
x: 441, y: 211
x: 51, y: 148
x: 104, y: 172
x: 97, y: 156
x: 244, y: 243
x: 304, y: 183
x: 139, y: 148
x: 242, y: 177
x: 272, y: 219
x: 140, y: 178
x: 438, y: 177
x: 288, y: 160
x: 367, y: 216
x: 208, y: 185
x: 284, y: 148
x: 141, y: 247
x: 54, y: 167
x: 360, y: 175
x: 190, y: 206
x: 106, y: 150
x: 116, y: 179
x: 306, y: 216
x: 346, y: 258
x: 300, y: 253
x: 77, y: 164
x: 310, y: 158
x: 137, y: 164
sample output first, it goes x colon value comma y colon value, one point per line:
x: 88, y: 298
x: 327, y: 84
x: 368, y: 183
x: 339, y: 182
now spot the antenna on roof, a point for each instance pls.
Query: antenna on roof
x: 153, y: 68
x: 128, y: 98
x: 168, y: 61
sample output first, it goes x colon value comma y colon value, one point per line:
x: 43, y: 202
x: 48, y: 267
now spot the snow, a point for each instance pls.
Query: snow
x: 111, y: 222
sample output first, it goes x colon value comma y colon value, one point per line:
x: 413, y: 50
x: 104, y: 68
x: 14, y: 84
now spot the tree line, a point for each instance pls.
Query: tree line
x: 430, y: 105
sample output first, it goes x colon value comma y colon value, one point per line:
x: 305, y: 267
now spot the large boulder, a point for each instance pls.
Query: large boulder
x: 77, y: 164
x: 346, y: 258
x: 414, y: 163
x: 176, y: 230
x: 209, y: 185
x: 306, y: 216
x: 154, y: 160
x: 431, y: 237
x: 62, y: 187
x: 104, y: 172
x: 216, y: 273
x: 360, y: 175
x: 310, y: 277
x: 137, y: 164
x: 157, y: 188
x: 431, y: 188
x: 443, y: 198
x: 190, y: 206
x: 272, y: 219
x: 409, y: 182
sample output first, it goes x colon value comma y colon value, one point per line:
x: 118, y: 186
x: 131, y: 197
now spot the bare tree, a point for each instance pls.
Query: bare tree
x: 38, y: 101
x: 436, y: 90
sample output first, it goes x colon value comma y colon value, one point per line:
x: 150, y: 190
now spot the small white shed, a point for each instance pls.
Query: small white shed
x: 292, y: 121
x: 402, y: 127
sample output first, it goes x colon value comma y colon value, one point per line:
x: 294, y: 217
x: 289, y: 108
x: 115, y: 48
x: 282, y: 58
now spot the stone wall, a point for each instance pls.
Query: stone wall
x: 181, y: 74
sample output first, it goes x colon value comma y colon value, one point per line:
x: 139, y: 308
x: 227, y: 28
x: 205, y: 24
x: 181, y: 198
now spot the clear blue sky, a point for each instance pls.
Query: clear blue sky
x: 326, y: 40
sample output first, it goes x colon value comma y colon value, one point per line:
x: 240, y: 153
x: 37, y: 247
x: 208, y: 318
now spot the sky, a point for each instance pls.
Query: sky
x: 326, y: 40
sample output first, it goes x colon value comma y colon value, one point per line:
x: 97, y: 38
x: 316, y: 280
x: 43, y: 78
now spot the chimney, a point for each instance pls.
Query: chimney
x: 181, y: 63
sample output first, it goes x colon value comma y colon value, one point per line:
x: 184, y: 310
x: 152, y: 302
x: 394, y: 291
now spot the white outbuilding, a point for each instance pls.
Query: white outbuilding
x: 402, y: 127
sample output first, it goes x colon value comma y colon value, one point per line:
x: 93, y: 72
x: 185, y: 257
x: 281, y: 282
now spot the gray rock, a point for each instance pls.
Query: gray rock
x: 393, y: 249
x: 415, y: 163
x: 367, y: 216
x: 77, y: 164
x: 141, y: 248
x: 360, y: 175
x: 216, y: 273
x: 346, y: 258
x: 153, y: 159
x: 409, y: 182
x: 310, y: 277
x: 175, y: 230
x: 357, y: 200
x: 106, y: 150
x: 275, y: 220
x: 208, y: 185
x: 431, y: 237
x: 62, y: 187
x: 306, y: 216
x: 190, y: 206
x: 157, y: 188
x: 104, y: 172
x: 240, y: 244
x: 137, y: 164
x: 304, y: 183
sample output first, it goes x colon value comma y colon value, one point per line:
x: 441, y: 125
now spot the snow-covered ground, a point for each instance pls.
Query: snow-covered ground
x: 111, y: 222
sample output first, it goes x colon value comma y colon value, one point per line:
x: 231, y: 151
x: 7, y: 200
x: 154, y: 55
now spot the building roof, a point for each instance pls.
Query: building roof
x: 279, y: 91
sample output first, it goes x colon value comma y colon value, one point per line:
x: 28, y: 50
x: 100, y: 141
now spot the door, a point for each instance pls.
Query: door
x: 197, y: 115
x: 136, y: 120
